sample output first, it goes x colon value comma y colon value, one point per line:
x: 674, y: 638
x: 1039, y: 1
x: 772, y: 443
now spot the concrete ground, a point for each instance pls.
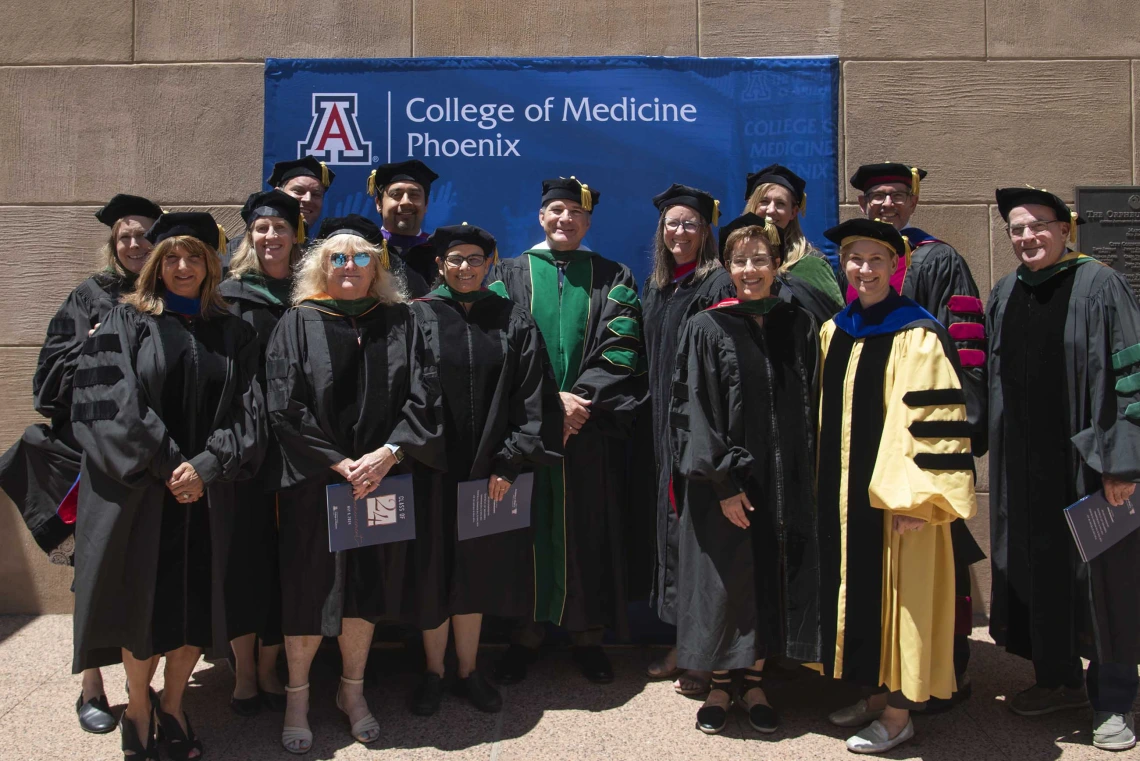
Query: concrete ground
x: 554, y: 714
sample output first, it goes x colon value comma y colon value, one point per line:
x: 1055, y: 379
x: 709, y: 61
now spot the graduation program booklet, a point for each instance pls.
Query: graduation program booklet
x: 386, y: 515
x: 1097, y: 525
x: 479, y: 516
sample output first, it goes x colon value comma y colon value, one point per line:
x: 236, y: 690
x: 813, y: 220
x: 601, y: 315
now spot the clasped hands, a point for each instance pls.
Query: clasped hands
x: 185, y: 484
x: 366, y: 473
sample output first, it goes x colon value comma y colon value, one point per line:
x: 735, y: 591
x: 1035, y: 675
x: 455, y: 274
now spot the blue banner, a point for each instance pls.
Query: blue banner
x: 494, y: 128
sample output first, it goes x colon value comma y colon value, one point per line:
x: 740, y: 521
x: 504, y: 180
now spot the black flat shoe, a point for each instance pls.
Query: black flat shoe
x: 246, y: 707
x: 95, y: 715
x: 428, y: 695
x: 480, y: 692
x: 763, y: 718
x: 712, y: 719
x: 177, y: 744
x: 273, y: 701
x: 594, y: 663
x: 511, y: 668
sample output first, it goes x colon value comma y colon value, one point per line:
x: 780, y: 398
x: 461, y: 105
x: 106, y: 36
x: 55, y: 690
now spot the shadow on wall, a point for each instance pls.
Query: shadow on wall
x: 31, y: 584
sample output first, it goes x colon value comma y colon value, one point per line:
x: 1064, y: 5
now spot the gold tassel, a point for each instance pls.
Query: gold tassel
x: 587, y: 200
x: 384, y: 254
x: 803, y: 205
x: 716, y: 213
x: 301, y: 229
x: 771, y: 232
x: 906, y: 250
x: 1072, y: 226
x: 372, y: 183
x: 914, y: 180
x: 222, y: 240
x: 325, y: 174
x: 495, y: 256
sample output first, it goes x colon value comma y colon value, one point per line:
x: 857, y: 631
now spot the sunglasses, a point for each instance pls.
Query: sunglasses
x: 341, y: 260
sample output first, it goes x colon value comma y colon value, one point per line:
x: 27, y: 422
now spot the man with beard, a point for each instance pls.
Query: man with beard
x: 401, y: 191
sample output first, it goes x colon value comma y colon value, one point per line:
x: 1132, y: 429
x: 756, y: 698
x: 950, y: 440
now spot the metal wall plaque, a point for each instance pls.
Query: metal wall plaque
x: 1111, y: 231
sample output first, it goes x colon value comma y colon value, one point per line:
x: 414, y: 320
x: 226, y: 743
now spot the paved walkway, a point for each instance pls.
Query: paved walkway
x: 554, y: 714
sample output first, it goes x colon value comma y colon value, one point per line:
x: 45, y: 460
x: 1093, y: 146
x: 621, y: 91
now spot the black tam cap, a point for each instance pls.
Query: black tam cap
x: 196, y: 224
x: 870, y: 175
x: 123, y: 205
x: 573, y: 189
x: 275, y: 203
x: 1008, y: 198
x: 751, y: 220
x: 782, y: 176
x: 869, y: 229
x: 402, y: 171
x: 697, y: 200
x: 353, y: 224
x: 446, y: 238
x: 283, y: 171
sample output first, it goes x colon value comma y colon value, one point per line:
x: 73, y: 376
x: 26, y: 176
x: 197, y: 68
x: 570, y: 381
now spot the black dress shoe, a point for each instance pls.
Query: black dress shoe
x: 712, y: 719
x: 428, y: 695
x: 95, y: 715
x: 480, y: 692
x: 246, y: 707
x: 511, y: 668
x: 272, y: 701
x: 594, y: 663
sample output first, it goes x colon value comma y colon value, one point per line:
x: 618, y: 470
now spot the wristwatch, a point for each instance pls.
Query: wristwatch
x: 396, y: 451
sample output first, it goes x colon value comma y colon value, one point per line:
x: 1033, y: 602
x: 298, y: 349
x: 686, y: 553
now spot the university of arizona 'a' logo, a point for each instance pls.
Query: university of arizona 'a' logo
x: 334, y: 135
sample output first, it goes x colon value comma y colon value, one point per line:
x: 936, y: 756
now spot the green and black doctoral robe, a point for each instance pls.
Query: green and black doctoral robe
x: 1064, y: 350
x: 666, y: 311
x: 590, y: 316
x: 41, y: 468
x: 344, y: 379
x: 253, y: 583
x: 152, y: 392
x: 501, y: 416
x: 743, y: 417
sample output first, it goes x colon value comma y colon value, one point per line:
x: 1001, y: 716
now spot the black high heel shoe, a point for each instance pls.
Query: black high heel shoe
x: 177, y: 744
x: 132, y: 748
x: 711, y: 719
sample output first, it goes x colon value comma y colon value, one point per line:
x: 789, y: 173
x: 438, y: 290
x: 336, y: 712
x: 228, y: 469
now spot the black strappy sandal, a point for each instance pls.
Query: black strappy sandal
x: 711, y: 719
x: 762, y: 718
x: 132, y: 748
x: 177, y: 744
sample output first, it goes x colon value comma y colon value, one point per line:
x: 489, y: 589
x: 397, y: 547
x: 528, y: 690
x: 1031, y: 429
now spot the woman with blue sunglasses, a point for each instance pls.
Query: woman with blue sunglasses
x: 351, y: 392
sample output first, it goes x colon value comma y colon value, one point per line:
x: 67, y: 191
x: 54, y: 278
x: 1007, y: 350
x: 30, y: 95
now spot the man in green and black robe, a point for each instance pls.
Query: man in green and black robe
x: 586, y: 307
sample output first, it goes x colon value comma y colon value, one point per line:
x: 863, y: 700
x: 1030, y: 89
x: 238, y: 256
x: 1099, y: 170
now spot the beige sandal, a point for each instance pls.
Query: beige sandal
x: 297, y: 740
x: 367, y: 729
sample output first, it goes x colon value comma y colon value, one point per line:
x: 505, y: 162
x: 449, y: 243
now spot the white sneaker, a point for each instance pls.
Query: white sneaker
x: 857, y: 715
x: 1113, y: 731
x: 874, y: 739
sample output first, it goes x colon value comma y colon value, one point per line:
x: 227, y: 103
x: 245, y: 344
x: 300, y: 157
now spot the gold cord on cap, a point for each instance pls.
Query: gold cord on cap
x: 222, y: 239
x: 300, y: 228
x: 914, y: 181
x: 372, y: 183
x: 716, y: 213
x: 325, y: 174
x: 587, y: 200
x: 495, y: 256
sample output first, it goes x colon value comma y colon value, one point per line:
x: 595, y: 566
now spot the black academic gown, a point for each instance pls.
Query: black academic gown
x: 340, y: 386
x: 40, y: 469
x: 413, y: 266
x: 253, y: 584
x: 1063, y: 410
x: 151, y: 392
x: 590, y: 318
x: 666, y: 311
x: 501, y: 416
x: 743, y: 416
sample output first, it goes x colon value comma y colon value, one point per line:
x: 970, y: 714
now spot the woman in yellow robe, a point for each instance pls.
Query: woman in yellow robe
x: 895, y: 470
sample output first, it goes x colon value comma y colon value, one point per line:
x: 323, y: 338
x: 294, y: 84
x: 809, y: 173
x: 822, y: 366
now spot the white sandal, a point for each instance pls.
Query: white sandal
x: 297, y: 740
x: 367, y: 729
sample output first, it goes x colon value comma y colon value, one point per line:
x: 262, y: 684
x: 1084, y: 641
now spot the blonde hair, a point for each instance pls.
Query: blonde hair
x: 146, y: 297
x: 313, y: 273
x: 843, y: 250
x: 663, y: 262
x: 769, y: 235
x: 795, y: 246
x: 108, y: 254
x: 245, y: 260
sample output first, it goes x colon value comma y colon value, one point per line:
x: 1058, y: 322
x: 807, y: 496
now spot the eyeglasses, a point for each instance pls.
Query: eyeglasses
x: 689, y: 226
x: 341, y: 260
x: 758, y: 262
x: 455, y: 260
x: 1033, y: 228
x: 896, y: 197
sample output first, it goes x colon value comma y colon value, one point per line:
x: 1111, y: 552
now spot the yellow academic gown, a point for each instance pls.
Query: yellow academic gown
x: 878, y: 584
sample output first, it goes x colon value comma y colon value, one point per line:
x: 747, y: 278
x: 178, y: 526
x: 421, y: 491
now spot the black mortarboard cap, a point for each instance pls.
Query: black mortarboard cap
x: 283, y: 171
x: 749, y: 220
x: 781, y: 176
x: 196, y: 224
x: 275, y: 203
x: 1008, y: 198
x: 353, y: 224
x: 572, y: 189
x: 697, y: 200
x: 123, y: 205
x: 869, y: 228
x: 870, y: 175
x: 413, y: 170
x: 450, y: 236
